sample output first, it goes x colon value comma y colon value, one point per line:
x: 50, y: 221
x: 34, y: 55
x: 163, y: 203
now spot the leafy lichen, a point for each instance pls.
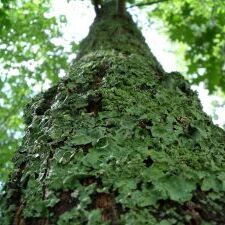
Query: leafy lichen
x: 119, y: 141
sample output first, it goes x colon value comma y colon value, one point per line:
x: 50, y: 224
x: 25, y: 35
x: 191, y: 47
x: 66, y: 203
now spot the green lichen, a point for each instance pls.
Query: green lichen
x: 118, y: 126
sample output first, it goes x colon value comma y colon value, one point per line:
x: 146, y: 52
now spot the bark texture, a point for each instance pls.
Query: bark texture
x: 118, y: 141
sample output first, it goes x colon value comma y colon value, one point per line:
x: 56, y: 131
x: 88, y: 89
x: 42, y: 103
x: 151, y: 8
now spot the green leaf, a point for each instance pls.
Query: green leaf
x: 211, y: 183
x: 178, y: 188
x: 81, y: 139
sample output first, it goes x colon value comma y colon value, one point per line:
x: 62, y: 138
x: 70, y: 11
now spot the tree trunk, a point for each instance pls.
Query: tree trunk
x: 118, y: 141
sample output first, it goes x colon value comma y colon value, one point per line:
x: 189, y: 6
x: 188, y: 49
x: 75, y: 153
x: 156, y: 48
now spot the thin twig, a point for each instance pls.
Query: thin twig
x: 146, y: 3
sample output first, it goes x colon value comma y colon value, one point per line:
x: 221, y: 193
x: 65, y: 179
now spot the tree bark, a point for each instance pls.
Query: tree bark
x: 117, y: 141
x: 121, y: 7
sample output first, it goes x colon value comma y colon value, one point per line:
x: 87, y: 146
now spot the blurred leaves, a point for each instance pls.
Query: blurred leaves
x: 29, y: 62
x: 200, y: 25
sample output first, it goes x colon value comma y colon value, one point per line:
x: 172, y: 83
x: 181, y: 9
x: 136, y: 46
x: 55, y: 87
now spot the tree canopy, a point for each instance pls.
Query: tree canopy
x: 31, y: 58
x: 200, y: 25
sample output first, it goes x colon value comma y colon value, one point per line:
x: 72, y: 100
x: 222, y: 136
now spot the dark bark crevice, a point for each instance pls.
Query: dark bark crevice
x: 106, y: 203
x: 65, y: 204
x: 15, y: 186
x: 94, y: 104
x: 48, y: 97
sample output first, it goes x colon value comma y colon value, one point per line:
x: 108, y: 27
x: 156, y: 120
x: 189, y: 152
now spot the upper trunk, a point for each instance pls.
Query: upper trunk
x: 118, y: 141
x: 113, y: 32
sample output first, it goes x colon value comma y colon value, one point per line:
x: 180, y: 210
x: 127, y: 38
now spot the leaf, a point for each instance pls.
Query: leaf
x: 94, y: 217
x: 126, y: 185
x: 102, y: 143
x: 211, y: 183
x: 81, y: 139
x: 92, y: 158
x: 165, y: 222
x: 146, y: 197
x: 178, y: 188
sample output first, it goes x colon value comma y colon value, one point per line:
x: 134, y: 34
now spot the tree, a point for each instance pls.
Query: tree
x: 117, y: 141
x: 31, y: 58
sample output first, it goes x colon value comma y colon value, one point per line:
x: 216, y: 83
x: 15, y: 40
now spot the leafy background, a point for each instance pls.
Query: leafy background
x: 33, y: 53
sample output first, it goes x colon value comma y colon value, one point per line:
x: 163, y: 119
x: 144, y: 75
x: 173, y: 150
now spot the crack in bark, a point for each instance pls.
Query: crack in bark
x: 66, y: 203
x: 94, y: 104
x: 106, y: 203
x: 15, y: 199
x: 47, y: 102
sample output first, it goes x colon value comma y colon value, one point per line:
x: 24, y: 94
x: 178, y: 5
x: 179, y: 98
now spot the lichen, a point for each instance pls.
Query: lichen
x: 121, y: 142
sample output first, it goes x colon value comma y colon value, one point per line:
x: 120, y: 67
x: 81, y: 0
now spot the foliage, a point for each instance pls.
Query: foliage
x: 200, y: 25
x: 29, y: 60
x: 118, y: 126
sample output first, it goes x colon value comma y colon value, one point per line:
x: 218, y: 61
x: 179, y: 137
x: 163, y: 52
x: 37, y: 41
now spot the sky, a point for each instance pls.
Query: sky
x: 80, y: 15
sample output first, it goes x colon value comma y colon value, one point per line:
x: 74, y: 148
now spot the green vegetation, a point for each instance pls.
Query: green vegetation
x: 200, y: 25
x: 30, y: 58
x: 117, y: 141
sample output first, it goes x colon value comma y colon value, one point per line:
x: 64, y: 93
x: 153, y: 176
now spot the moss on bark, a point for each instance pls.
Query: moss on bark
x: 117, y: 141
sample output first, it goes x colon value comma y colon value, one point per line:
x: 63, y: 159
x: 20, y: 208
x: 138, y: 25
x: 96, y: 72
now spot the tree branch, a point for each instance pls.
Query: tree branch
x: 121, y: 7
x: 147, y: 3
x: 97, y: 4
